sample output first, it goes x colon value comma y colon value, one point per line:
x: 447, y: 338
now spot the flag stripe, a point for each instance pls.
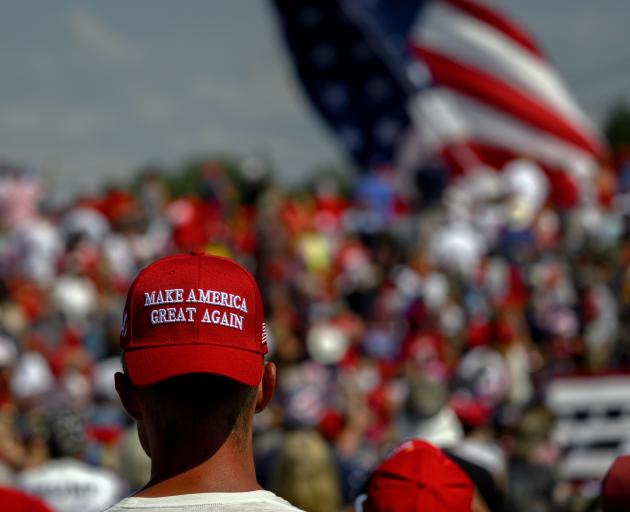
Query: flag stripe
x: 435, y: 113
x: 493, y: 156
x: 486, y: 88
x: 496, y: 98
x: 498, y: 21
x: 462, y: 38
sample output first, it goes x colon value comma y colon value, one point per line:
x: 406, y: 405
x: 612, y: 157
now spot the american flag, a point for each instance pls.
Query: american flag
x: 496, y: 96
x: 347, y: 81
x: 473, y: 84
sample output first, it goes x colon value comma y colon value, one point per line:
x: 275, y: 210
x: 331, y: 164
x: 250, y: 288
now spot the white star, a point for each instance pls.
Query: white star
x: 335, y: 95
x: 387, y: 131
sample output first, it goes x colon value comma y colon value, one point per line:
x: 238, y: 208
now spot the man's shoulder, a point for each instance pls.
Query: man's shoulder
x: 254, y: 501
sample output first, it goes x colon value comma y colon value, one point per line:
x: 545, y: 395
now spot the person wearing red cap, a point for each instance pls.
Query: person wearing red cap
x: 615, y: 493
x: 193, y: 340
x: 17, y: 501
x: 418, y: 477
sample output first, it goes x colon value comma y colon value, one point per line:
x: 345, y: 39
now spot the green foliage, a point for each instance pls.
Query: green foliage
x: 343, y: 175
x: 617, y: 126
x: 186, y: 178
x: 185, y: 181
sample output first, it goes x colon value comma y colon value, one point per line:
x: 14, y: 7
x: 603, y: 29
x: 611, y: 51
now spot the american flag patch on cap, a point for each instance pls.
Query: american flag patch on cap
x: 264, y: 333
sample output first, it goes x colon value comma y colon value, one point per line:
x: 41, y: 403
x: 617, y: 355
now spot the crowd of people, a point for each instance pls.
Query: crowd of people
x: 415, y: 307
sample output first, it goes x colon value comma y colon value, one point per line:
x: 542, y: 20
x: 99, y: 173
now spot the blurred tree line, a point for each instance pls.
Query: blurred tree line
x: 617, y: 126
x: 186, y: 179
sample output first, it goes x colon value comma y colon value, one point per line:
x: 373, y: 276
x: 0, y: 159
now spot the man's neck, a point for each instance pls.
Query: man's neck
x: 229, y: 469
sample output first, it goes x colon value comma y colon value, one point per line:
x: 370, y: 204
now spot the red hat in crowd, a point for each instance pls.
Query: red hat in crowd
x: 17, y: 501
x: 418, y: 477
x: 193, y: 313
x: 615, y: 496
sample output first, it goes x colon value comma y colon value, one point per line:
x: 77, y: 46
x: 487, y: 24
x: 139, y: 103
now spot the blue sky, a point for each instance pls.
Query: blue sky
x: 92, y: 90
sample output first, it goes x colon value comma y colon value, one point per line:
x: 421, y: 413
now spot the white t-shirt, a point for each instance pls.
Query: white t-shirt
x: 70, y: 485
x: 254, y: 501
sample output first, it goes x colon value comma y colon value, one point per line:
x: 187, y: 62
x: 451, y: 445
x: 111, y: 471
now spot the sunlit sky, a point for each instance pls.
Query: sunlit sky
x: 92, y: 90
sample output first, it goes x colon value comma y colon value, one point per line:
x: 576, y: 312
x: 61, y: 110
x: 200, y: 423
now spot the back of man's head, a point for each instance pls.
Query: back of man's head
x: 418, y: 476
x: 187, y: 407
x: 193, y: 339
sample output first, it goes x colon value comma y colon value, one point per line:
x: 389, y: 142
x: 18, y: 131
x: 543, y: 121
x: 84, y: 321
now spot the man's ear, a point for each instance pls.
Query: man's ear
x: 266, y: 387
x: 128, y: 395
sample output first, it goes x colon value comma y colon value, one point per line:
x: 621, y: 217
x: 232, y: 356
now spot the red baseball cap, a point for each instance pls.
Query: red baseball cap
x: 193, y: 313
x: 18, y: 501
x: 418, y: 476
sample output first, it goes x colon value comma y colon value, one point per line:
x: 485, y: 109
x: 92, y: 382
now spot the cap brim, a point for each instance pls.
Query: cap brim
x: 147, y: 366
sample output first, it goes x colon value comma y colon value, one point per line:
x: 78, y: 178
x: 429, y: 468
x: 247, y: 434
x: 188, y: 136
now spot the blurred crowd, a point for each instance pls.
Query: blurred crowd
x: 397, y: 307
